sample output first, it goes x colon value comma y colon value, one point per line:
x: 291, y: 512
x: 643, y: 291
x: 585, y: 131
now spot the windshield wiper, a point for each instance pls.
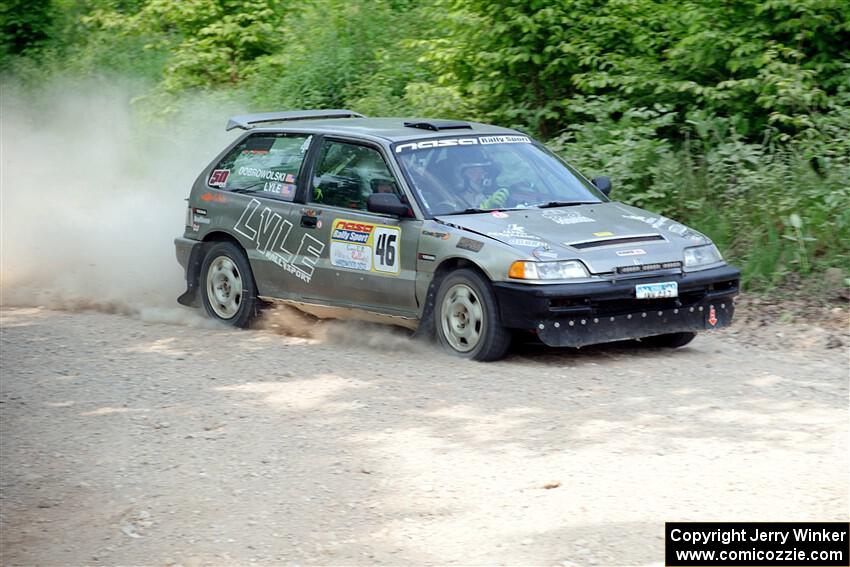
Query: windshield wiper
x: 552, y: 204
x: 473, y: 210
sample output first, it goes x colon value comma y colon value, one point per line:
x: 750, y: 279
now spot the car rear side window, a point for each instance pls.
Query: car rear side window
x: 346, y: 174
x: 263, y: 163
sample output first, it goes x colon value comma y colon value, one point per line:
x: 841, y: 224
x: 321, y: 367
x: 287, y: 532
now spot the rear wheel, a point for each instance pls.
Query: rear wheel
x: 228, y: 289
x: 670, y: 340
x: 466, y: 317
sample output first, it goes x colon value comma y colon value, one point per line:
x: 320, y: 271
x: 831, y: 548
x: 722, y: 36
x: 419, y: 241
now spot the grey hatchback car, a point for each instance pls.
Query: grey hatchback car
x: 465, y: 231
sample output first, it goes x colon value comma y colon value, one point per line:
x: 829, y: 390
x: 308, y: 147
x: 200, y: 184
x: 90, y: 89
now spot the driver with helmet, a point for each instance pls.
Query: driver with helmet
x: 477, y: 185
x: 474, y: 178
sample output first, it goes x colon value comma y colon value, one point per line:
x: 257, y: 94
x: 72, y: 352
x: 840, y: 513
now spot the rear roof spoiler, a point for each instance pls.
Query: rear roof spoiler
x: 247, y: 121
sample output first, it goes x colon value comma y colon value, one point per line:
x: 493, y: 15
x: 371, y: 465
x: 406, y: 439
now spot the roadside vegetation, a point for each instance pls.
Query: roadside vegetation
x: 733, y: 117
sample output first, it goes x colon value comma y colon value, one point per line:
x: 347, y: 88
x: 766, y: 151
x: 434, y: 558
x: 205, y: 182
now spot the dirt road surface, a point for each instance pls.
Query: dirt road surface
x: 143, y: 443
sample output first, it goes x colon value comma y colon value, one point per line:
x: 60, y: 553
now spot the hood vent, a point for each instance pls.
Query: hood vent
x: 437, y: 125
x: 617, y: 240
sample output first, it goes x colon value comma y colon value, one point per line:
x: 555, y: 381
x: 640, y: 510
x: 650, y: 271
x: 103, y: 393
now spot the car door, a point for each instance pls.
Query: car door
x: 367, y: 260
x: 261, y: 175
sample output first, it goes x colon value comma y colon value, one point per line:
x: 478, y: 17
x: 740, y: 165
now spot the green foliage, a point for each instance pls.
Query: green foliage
x: 24, y: 26
x: 733, y: 117
x: 523, y: 61
x: 775, y: 209
x: 212, y: 43
x: 342, y: 53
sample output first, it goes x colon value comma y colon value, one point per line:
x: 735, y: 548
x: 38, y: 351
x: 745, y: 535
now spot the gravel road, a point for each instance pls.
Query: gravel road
x: 126, y: 441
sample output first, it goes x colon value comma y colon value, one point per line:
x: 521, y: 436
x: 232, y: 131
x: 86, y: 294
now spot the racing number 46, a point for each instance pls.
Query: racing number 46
x: 386, y: 250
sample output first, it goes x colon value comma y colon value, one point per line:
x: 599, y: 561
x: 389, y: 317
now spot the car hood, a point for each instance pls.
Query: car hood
x: 604, y: 236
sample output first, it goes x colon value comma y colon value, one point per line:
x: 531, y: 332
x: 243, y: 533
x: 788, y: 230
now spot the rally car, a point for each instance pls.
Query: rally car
x: 466, y: 231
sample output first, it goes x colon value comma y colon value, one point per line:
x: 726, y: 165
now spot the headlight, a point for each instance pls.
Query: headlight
x: 702, y: 256
x: 547, y: 270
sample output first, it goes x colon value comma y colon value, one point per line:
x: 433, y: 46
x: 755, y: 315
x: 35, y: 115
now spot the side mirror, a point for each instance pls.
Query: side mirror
x: 603, y: 184
x: 386, y: 203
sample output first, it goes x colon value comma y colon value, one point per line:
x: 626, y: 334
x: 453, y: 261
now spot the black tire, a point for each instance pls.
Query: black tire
x: 467, y: 292
x: 224, y: 265
x: 670, y: 340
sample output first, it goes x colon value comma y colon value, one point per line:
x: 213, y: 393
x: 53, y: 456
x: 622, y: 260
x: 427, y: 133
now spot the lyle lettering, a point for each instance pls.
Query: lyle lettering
x: 270, y: 233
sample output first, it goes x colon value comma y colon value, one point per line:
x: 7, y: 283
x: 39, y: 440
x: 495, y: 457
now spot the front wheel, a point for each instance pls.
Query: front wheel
x: 228, y: 290
x: 466, y: 317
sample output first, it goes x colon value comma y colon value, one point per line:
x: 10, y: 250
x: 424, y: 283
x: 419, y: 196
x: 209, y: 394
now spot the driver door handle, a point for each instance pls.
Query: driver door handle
x: 308, y: 221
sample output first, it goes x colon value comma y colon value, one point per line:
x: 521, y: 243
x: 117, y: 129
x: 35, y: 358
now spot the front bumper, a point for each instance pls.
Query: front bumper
x: 588, y: 313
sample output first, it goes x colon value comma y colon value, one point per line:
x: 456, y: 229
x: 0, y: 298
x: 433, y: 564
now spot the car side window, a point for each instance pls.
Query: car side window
x: 346, y: 174
x: 263, y: 163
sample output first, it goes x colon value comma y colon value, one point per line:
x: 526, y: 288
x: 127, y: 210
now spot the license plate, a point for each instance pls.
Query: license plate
x: 657, y: 290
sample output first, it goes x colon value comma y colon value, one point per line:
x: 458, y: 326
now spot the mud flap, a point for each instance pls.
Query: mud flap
x: 192, y: 264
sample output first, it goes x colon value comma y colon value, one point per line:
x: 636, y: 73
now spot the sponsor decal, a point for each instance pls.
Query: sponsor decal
x: 526, y: 242
x: 510, y: 230
x: 272, y: 235
x: 466, y: 141
x: 565, y: 217
x: 544, y: 254
x: 290, y: 178
x: 674, y: 227
x: 633, y: 252
x: 499, y: 214
x: 469, y: 244
x: 516, y: 235
x: 440, y: 235
x: 198, y: 211
x: 504, y: 140
x: 603, y: 233
x: 426, y: 257
x: 351, y: 256
x: 286, y: 191
x: 211, y: 197
x: 218, y: 177
x: 196, y: 227
x: 200, y: 219
x: 266, y: 174
x: 366, y: 247
x: 712, y: 316
x: 351, y: 231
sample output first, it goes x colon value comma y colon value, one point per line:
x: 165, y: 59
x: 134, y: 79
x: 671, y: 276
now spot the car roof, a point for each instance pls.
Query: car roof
x: 390, y: 129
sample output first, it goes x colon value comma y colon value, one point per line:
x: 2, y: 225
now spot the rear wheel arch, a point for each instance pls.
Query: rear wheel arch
x: 196, y: 260
x: 221, y: 236
x: 212, y: 238
x: 227, y: 286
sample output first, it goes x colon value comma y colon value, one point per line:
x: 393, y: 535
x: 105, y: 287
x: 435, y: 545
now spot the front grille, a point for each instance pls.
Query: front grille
x: 648, y: 267
x: 615, y: 241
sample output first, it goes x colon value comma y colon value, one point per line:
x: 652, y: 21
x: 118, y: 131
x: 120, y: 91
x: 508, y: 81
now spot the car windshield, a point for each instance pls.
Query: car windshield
x: 483, y: 173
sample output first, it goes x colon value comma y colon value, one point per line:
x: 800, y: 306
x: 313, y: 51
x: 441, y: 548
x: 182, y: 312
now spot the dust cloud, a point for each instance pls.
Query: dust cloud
x: 289, y: 321
x: 93, y: 193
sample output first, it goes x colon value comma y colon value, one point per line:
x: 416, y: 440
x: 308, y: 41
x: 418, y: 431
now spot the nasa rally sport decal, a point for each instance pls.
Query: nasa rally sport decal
x: 367, y: 247
x: 464, y: 141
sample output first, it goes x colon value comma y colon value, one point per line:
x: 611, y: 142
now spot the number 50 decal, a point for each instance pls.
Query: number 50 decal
x: 385, y: 243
